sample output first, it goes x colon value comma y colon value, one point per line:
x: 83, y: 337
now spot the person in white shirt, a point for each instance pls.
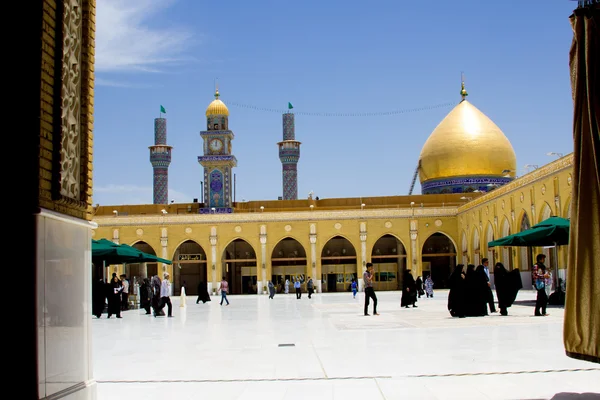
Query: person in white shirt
x: 124, y: 293
x: 165, y: 293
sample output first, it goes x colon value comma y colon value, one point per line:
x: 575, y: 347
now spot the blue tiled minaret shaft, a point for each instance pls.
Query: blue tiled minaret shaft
x: 289, y: 154
x: 160, y: 158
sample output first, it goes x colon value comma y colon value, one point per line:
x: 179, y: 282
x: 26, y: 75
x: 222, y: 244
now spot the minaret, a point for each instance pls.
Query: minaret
x: 289, y: 154
x: 160, y: 157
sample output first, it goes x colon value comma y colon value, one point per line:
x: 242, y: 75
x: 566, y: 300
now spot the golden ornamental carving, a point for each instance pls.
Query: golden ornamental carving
x: 337, y: 226
x: 187, y: 219
x: 288, y: 228
x: 70, y: 146
x: 388, y: 224
x: 188, y: 230
x: 139, y: 232
x: 543, y: 189
x: 238, y: 229
x: 438, y: 223
x: 522, y: 197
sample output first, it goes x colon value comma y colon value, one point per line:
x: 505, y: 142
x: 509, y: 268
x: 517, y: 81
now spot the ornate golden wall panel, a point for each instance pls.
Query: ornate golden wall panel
x: 66, y: 108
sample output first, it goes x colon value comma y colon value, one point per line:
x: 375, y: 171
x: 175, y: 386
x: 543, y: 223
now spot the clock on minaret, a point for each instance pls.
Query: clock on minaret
x: 217, y: 159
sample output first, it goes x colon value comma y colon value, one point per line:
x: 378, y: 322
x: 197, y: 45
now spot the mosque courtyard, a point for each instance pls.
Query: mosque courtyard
x: 324, y: 348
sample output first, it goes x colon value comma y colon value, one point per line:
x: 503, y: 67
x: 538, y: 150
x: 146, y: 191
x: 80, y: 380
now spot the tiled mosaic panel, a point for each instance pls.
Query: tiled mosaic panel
x: 160, y: 131
x: 161, y: 185
x: 290, y: 182
x: 289, y: 129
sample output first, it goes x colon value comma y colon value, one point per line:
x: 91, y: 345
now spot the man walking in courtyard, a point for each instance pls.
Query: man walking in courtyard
x: 369, y: 291
x: 298, y: 288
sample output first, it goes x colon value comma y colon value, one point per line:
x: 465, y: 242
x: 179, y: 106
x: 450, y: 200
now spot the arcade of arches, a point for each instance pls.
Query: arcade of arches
x: 333, y: 245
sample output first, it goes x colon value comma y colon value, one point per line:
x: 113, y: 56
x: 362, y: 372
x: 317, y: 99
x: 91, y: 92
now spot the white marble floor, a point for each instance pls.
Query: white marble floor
x: 418, y: 353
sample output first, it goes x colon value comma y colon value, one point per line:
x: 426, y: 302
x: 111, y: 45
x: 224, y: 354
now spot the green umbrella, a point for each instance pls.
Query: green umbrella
x: 147, y: 257
x: 553, y: 231
x: 108, y: 252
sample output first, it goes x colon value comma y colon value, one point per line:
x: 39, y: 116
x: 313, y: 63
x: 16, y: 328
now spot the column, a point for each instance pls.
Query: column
x: 414, y: 253
x: 360, y: 269
x: 164, y: 242
x: 213, y: 252
x: 313, y: 257
x: 116, y: 268
x: 263, y: 260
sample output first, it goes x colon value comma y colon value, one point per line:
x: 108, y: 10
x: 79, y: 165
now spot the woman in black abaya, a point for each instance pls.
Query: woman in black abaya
x: 409, y: 290
x: 146, y: 295
x: 476, y: 296
x: 98, y: 297
x: 456, y: 297
x: 114, y: 296
x: 202, y: 293
x: 507, y: 285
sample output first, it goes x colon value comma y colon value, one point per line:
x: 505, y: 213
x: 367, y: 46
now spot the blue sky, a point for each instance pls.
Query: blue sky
x: 324, y: 57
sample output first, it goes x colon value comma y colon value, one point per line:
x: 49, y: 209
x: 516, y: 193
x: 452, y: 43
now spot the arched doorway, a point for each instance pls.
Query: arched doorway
x: 491, y: 254
x: 137, y: 272
x: 439, y: 258
x: 389, y: 262
x: 465, y: 249
x: 507, y: 258
x: 338, y: 264
x: 239, y: 267
x: 288, y: 262
x: 477, y: 248
x: 525, y: 252
x: 189, y: 267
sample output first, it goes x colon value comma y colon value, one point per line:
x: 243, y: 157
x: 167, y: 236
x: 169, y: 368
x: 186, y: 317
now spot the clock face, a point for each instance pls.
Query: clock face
x: 215, y: 145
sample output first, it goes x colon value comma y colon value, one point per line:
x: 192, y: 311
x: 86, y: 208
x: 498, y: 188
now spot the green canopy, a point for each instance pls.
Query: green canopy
x: 104, y: 250
x: 551, y: 232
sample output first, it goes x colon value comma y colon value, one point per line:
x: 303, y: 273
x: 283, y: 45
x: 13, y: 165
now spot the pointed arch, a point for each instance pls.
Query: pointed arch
x: 139, y: 271
x: 438, y: 257
x: 567, y: 210
x: 476, y: 240
x: 464, y: 248
x: 190, y: 267
x: 506, y: 258
x: 524, y: 252
x: 545, y: 212
x: 238, y: 265
x: 388, y: 256
x: 489, y: 237
x: 338, y: 264
x: 288, y: 262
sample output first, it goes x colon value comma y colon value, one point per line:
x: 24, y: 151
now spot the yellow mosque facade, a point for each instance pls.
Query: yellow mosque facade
x: 471, y: 197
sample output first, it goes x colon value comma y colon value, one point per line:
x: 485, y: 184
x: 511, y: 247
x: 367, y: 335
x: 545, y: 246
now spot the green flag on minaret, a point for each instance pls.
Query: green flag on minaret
x: 162, y: 110
x: 290, y: 106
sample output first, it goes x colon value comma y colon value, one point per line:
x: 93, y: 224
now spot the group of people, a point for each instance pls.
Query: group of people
x: 310, y: 287
x: 155, y: 294
x: 115, y: 293
x: 471, y: 292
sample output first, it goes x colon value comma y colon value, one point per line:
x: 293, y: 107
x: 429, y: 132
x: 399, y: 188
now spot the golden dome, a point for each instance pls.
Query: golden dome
x: 466, y: 143
x: 217, y: 107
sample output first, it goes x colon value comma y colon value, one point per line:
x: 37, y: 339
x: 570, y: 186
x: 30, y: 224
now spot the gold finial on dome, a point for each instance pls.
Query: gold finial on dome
x: 217, y: 107
x: 463, y: 91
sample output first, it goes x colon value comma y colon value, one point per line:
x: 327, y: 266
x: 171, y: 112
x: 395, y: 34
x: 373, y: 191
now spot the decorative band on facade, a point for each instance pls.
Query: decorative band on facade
x: 463, y: 185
